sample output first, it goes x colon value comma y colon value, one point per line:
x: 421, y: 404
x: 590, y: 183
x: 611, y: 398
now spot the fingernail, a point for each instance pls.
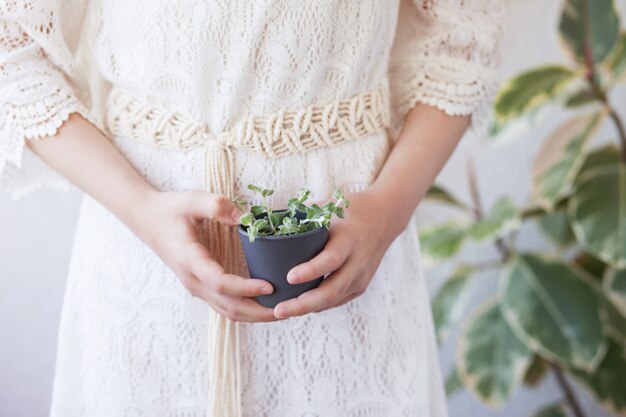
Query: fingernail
x: 282, y: 313
x: 292, y: 277
x: 267, y: 290
x: 236, y: 214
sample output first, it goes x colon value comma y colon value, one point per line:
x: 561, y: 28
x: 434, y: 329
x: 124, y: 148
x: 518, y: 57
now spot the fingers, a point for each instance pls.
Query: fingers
x: 215, y: 206
x: 330, y: 291
x: 228, y: 294
x: 211, y: 274
x: 234, y: 308
x: 346, y: 299
x: 328, y: 260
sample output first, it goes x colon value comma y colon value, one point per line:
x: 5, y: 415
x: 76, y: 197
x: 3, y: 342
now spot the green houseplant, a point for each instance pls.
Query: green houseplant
x: 274, y: 241
x: 562, y: 312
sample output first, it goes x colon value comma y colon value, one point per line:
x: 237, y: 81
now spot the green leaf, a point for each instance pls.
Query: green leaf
x: 255, y: 188
x: 555, y: 309
x: 607, y: 382
x: 536, y: 371
x: 261, y: 224
x: 561, y: 157
x: 503, y: 218
x: 241, y: 204
x: 257, y: 211
x: 581, y: 98
x: 528, y: 91
x: 277, y: 217
x: 617, y: 60
x: 591, y: 265
x: 303, y: 194
x: 491, y: 360
x: 554, y: 410
x: 597, y: 213
x: 451, y: 300
x: 443, y: 241
x: 616, y: 323
x: 453, y: 383
x: 589, y: 27
x: 440, y: 194
x: 615, y: 288
x: 337, y: 194
x: 556, y: 227
x: 607, y: 155
x: 246, y: 219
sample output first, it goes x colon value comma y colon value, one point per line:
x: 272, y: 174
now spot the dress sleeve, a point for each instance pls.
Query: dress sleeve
x: 40, y: 85
x: 445, y: 54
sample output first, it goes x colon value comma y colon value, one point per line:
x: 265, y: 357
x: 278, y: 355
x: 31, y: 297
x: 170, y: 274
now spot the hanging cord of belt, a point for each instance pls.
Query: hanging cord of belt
x: 275, y: 135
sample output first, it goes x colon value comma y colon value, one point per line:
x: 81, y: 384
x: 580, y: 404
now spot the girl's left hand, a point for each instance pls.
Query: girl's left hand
x: 354, y: 250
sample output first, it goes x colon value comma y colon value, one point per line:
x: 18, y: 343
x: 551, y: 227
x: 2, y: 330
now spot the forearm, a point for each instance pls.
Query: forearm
x: 83, y: 155
x: 425, y: 143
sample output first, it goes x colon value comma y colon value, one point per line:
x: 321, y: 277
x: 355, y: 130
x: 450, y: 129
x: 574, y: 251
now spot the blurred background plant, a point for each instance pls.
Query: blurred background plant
x: 562, y: 312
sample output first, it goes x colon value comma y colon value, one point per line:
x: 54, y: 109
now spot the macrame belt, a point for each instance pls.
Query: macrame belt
x: 274, y: 135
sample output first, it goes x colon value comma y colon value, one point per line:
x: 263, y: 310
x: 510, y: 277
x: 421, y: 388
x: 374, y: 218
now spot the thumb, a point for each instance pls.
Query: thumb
x: 217, y: 207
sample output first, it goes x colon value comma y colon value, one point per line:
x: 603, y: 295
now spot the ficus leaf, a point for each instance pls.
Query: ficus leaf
x: 503, y: 218
x: 561, y: 157
x: 439, y: 193
x: 443, y: 241
x: 607, y: 155
x: 617, y: 60
x: 491, y: 361
x: 536, y: 371
x: 530, y: 90
x: 589, y: 28
x: 451, y: 300
x: 555, y: 308
x: 607, y: 382
x: 554, y: 410
x: 597, y: 213
x: 614, y: 287
x: 556, y: 227
x: 453, y: 384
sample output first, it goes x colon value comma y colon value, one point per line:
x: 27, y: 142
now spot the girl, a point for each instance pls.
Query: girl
x: 162, y: 112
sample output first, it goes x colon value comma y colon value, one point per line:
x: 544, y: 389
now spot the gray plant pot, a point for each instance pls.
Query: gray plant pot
x: 272, y: 257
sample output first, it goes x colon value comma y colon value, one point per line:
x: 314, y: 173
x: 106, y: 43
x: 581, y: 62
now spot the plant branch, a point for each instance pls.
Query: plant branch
x: 504, y: 250
x: 477, y: 206
x: 619, y: 126
x: 567, y: 391
x: 601, y: 95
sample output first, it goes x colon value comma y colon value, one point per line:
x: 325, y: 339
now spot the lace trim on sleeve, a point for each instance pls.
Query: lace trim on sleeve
x: 21, y: 172
x: 454, y: 86
x: 446, y: 55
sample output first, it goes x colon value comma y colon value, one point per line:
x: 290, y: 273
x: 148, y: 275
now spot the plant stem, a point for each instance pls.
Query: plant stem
x: 567, y: 391
x: 505, y: 252
x: 268, y: 210
x: 477, y: 208
x: 487, y: 265
x: 619, y: 125
x: 601, y: 95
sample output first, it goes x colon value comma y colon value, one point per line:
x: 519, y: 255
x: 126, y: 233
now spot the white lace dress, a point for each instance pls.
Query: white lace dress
x: 132, y: 341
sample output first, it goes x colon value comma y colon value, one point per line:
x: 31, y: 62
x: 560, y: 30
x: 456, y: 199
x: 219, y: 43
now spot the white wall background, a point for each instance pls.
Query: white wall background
x: 36, y: 240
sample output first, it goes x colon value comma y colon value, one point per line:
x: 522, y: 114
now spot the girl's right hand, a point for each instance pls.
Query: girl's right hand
x: 168, y: 222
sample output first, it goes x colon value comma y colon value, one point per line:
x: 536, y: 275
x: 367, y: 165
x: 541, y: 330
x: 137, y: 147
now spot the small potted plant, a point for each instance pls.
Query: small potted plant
x: 274, y: 241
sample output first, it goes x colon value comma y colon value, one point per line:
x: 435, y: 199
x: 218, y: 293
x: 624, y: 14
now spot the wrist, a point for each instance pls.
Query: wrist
x: 394, y: 210
x: 138, y: 209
